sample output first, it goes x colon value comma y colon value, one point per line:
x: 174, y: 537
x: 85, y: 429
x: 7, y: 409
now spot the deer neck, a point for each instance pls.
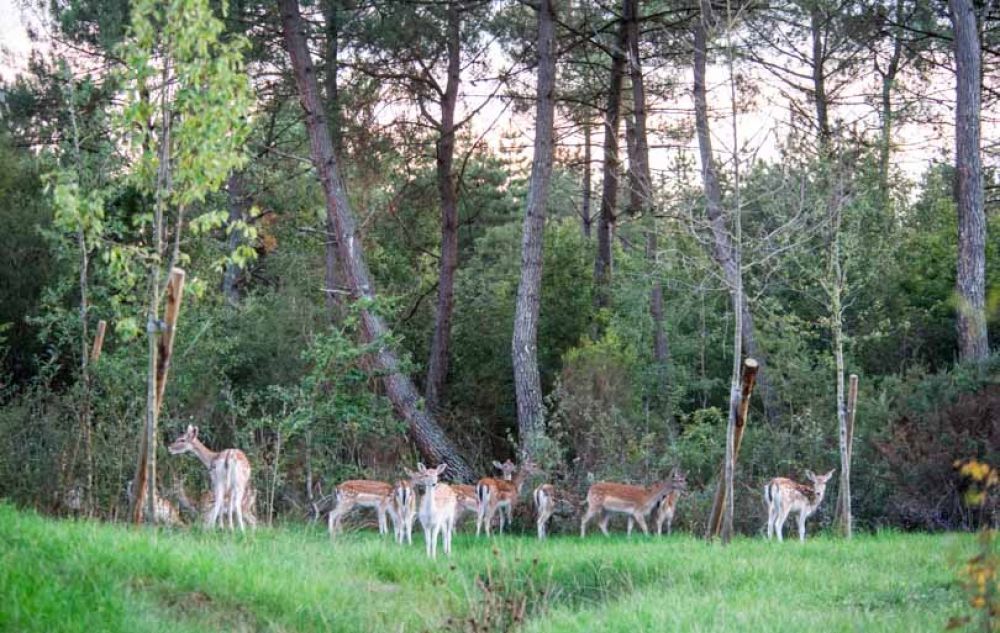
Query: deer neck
x: 657, y: 492
x: 203, y: 453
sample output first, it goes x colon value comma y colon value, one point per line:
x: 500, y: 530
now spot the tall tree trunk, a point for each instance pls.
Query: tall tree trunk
x: 437, y: 367
x: 641, y: 183
x: 722, y: 244
x: 887, y: 114
x: 609, y: 185
x: 331, y: 276
x: 585, y: 213
x: 971, y: 275
x: 239, y: 205
x: 524, y: 343
x: 430, y: 439
x: 817, y: 30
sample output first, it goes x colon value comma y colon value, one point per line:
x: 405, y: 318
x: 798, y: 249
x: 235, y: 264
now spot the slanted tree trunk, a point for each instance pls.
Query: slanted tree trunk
x: 642, y: 189
x: 971, y: 274
x: 609, y: 184
x: 437, y: 366
x: 722, y: 251
x: 585, y: 213
x: 430, y: 439
x: 524, y: 343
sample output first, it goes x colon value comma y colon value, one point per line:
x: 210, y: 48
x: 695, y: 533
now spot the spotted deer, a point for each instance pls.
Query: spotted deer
x: 545, y: 506
x: 501, y: 495
x: 783, y: 496
x: 204, y: 503
x: 361, y: 493
x: 607, y: 498
x: 468, y: 502
x: 403, y: 510
x: 166, y: 511
x: 668, y: 505
x: 228, y: 472
x: 438, y: 507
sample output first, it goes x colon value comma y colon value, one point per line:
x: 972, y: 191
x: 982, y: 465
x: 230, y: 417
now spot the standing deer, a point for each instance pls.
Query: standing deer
x: 228, y: 471
x: 468, y: 502
x: 206, y: 501
x: 438, y: 507
x: 545, y: 506
x: 361, y: 493
x: 606, y: 498
x: 501, y: 494
x: 403, y: 510
x: 782, y: 496
x: 668, y: 505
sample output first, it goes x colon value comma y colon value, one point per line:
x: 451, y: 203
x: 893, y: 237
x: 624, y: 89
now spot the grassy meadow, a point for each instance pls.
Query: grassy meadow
x: 92, y: 577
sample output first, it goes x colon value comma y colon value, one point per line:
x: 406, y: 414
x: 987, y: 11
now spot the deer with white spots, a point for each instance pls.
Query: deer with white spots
x: 783, y: 496
x: 228, y: 471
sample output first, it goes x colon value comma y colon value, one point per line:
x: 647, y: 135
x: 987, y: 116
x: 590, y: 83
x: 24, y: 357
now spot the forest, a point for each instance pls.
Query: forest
x: 347, y: 236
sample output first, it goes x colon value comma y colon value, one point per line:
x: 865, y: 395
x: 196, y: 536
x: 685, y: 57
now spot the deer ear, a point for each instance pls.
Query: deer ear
x: 497, y: 465
x: 420, y: 467
x: 827, y: 476
x: 441, y: 468
x: 810, y: 475
x: 409, y: 473
x: 194, y: 434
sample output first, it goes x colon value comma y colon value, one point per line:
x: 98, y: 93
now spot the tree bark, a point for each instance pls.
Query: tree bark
x: 587, y: 186
x: 331, y: 276
x: 430, y: 439
x: 524, y: 343
x: 609, y: 184
x: 239, y: 205
x: 971, y: 274
x: 641, y: 183
x: 845, y: 519
x: 437, y: 367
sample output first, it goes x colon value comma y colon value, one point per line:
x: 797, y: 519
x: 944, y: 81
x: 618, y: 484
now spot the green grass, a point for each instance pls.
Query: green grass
x: 86, y: 576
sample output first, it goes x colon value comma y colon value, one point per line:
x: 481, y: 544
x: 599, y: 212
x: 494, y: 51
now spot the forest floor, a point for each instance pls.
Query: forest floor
x: 93, y: 577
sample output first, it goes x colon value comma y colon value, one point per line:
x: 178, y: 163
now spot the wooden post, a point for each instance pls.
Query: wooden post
x: 844, y: 515
x: 749, y: 378
x: 146, y: 472
x: 175, y: 290
x: 95, y: 351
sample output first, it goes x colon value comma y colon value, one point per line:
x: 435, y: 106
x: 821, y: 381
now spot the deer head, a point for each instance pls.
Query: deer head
x: 185, y: 442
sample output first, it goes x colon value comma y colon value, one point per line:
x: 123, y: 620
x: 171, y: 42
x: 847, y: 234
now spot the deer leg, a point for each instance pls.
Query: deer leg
x: 605, y: 517
x: 779, y: 524
x: 587, y: 516
x: 641, y: 520
x: 802, y: 527
x: 237, y: 502
x: 670, y: 524
x: 628, y: 530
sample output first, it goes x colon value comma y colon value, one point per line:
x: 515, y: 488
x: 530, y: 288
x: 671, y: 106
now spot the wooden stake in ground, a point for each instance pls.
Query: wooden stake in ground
x: 749, y: 378
x: 145, y: 479
x: 95, y: 351
x: 845, y: 520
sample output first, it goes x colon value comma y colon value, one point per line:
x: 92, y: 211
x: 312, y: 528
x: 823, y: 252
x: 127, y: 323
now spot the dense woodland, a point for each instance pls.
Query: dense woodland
x: 461, y: 231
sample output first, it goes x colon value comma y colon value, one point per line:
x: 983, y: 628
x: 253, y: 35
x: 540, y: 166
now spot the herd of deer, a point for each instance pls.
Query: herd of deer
x: 442, y: 504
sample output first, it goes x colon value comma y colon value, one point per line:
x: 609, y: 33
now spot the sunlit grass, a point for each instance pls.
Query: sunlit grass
x: 84, y: 576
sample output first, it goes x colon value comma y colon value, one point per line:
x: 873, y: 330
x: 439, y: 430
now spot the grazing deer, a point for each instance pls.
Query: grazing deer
x: 501, y: 494
x: 361, y: 493
x: 545, y: 506
x: 438, y: 507
x: 783, y: 496
x: 606, y: 498
x: 228, y: 471
x: 668, y: 505
x: 403, y: 510
x: 206, y: 501
x: 166, y: 512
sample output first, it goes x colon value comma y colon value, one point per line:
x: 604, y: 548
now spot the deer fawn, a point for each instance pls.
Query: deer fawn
x: 668, y: 505
x: 361, y: 493
x: 637, y: 502
x: 501, y: 494
x: 403, y: 510
x: 783, y: 496
x: 438, y: 507
x: 228, y: 470
x: 467, y: 500
x: 166, y: 511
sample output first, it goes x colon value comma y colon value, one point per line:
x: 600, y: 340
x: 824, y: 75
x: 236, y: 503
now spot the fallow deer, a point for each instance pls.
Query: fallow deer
x: 501, y: 494
x: 206, y: 501
x: 361, y: 493
x: 228, y: 471
x: 668, y: 505
x: 468, y: 502
x: 606, y: 498
x: 438, y: 507
x: 403, y: 510
x: 545, y: 506
x: 783, y: 496
x: 166, y: 511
